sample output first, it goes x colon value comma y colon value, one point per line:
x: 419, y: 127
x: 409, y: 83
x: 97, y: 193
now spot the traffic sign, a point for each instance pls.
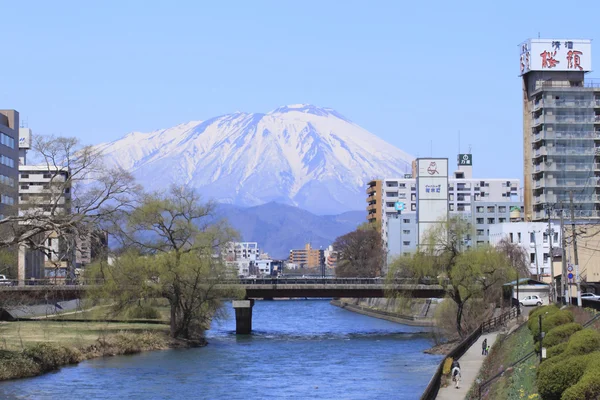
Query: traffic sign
x: 570, y: 275
x: 570, y: 268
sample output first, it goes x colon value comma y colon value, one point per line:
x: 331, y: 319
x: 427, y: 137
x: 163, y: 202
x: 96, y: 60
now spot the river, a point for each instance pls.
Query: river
x: 300, y: 349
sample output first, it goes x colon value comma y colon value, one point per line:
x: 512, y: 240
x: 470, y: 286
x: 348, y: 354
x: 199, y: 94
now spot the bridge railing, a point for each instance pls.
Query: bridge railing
x: 241, y: 281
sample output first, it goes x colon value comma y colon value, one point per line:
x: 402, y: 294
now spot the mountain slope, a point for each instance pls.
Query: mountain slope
x: 278, y: 228
x: 301, y: 155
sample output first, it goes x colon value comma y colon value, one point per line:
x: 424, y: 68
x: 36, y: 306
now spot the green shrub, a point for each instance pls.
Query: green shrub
x: 583, y: 342
x: 588, y: 387
x: 447, y: 366
x: 143, y: 312
x: 561, y: 334
x: 15, y: 365
x: 551, y: 321
x: 554, y: 378
x: 555, y: 350
x: 533, y: 314
x: 51, y: 356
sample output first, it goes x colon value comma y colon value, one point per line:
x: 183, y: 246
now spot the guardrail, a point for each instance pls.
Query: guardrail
x: 242, y: 281
x: 433, y: 388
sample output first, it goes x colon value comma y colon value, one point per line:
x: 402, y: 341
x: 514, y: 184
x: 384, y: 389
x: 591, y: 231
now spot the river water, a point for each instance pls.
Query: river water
x: 300, y: 349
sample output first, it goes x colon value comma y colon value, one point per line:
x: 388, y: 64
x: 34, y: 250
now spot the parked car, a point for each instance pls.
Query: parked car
x: 590, y: 296
x: 533, y: 300
x: 4, y: 281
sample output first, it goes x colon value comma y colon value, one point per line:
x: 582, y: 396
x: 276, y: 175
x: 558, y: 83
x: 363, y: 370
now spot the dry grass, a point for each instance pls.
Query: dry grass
x: 18, y: 335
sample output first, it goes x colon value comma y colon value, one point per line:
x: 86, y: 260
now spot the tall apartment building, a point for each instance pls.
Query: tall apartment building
x: 9, y: 161
x: 483, y: 202
x: 42, y: 190
x: 561, y: 129
x: 307, y: 257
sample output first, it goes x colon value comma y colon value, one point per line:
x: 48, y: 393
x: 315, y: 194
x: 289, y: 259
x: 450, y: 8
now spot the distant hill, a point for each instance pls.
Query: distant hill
x: 278, y: 227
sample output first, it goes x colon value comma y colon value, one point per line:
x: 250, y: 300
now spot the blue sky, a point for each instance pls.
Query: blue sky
x: 413, y: 73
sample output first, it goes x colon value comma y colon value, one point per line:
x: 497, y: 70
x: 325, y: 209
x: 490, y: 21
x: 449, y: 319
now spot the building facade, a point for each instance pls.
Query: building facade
x: 561, y: 129
x: 9, y: 161
x: 483, y: 202
x: 307, y: 257
x: 44, y: 189
x: 534, y: 238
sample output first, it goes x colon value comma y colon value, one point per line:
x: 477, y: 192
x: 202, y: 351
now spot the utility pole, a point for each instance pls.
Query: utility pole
x: 575, y: 247
x: 550, y: 233
x: 563, y: 280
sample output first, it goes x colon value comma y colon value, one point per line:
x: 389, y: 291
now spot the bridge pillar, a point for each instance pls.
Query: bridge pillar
x: 243, y: 316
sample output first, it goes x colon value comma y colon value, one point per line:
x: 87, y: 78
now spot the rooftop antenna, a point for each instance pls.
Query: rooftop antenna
x: 469, y: 149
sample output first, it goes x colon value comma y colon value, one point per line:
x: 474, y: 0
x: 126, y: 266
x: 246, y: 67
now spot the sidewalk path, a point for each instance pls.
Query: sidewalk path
x: 470, y: 363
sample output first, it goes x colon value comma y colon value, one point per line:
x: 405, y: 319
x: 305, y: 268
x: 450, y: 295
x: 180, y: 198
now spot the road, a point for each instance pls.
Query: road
x: 470, y: 364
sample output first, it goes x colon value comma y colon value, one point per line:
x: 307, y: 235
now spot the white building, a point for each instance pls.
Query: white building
x: 247, y: 259
x: 44, y: 189
x: 533, y: 237
x: 484, y: 201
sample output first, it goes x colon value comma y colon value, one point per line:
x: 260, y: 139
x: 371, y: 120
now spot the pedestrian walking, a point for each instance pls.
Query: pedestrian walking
x: 484, y: 347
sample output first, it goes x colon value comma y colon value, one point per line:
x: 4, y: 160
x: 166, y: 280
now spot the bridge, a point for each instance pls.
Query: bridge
x: 262, y: 288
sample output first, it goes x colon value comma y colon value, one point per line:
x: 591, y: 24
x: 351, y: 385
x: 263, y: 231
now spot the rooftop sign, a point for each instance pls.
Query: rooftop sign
x: 555, y: 55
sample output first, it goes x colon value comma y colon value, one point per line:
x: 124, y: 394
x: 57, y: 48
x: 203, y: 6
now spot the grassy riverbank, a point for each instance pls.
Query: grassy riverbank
x: 30, y: 348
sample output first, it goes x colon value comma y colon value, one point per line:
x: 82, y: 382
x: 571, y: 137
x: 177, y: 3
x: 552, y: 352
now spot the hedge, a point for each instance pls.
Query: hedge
x: 588, y: 387
x: 533, y: 314
x: 561, y: 334
x: 554, y: 378
x: 555, y: 350
x: 583, y: 342
x: 551, y: 321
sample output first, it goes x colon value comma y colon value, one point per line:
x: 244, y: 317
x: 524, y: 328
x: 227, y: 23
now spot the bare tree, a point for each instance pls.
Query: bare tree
x: 81, y: 194
x: 360, y: 253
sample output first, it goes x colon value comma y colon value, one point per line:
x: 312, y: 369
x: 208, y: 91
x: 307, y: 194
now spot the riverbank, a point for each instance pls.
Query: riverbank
x: 359, y: 308
x: 31, y: 348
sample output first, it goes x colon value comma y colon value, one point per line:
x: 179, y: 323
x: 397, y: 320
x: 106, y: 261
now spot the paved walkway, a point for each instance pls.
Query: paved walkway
x: 470, y: 363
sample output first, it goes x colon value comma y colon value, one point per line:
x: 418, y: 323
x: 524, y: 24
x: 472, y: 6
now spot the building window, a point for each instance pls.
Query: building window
x: 480, y: 232
x: 519, y: 235
x: 491, y: 209
x: 479, y: 221
x: 406, y: 232
x: 406, y: 221
x: 451, y: 206
x: 491, y: 220
x: 545, y: 237
x: 406, y: 243
x: 413, y: 207
x: 388, y: 204
x: 546, y: 258
x: 555, y: 237
x: 501, y: 220
x: 511, y: 237
x: 532, y: 258
x: 9, y: 162
x: 24, y: 176
x: 502, y: 209
x: 532, y: 237
x: 479, y: 209
x: 413, y: 197
x: 7, y: 140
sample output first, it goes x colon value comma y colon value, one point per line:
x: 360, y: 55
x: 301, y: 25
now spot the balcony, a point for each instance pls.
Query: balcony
x: 579, y: 214
x: 568, y: 103
x: 540, y: 152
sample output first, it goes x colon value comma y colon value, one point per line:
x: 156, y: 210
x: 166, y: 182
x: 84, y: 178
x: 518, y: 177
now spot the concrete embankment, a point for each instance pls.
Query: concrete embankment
x: 419, y: 311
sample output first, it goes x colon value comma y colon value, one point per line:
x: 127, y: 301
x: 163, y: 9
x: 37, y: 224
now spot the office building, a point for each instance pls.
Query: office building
x: 9, y: 161
x: 561, y: 129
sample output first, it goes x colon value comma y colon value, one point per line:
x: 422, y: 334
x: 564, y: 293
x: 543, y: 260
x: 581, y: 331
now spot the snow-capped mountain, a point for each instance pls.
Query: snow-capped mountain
x: 302, y: 155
